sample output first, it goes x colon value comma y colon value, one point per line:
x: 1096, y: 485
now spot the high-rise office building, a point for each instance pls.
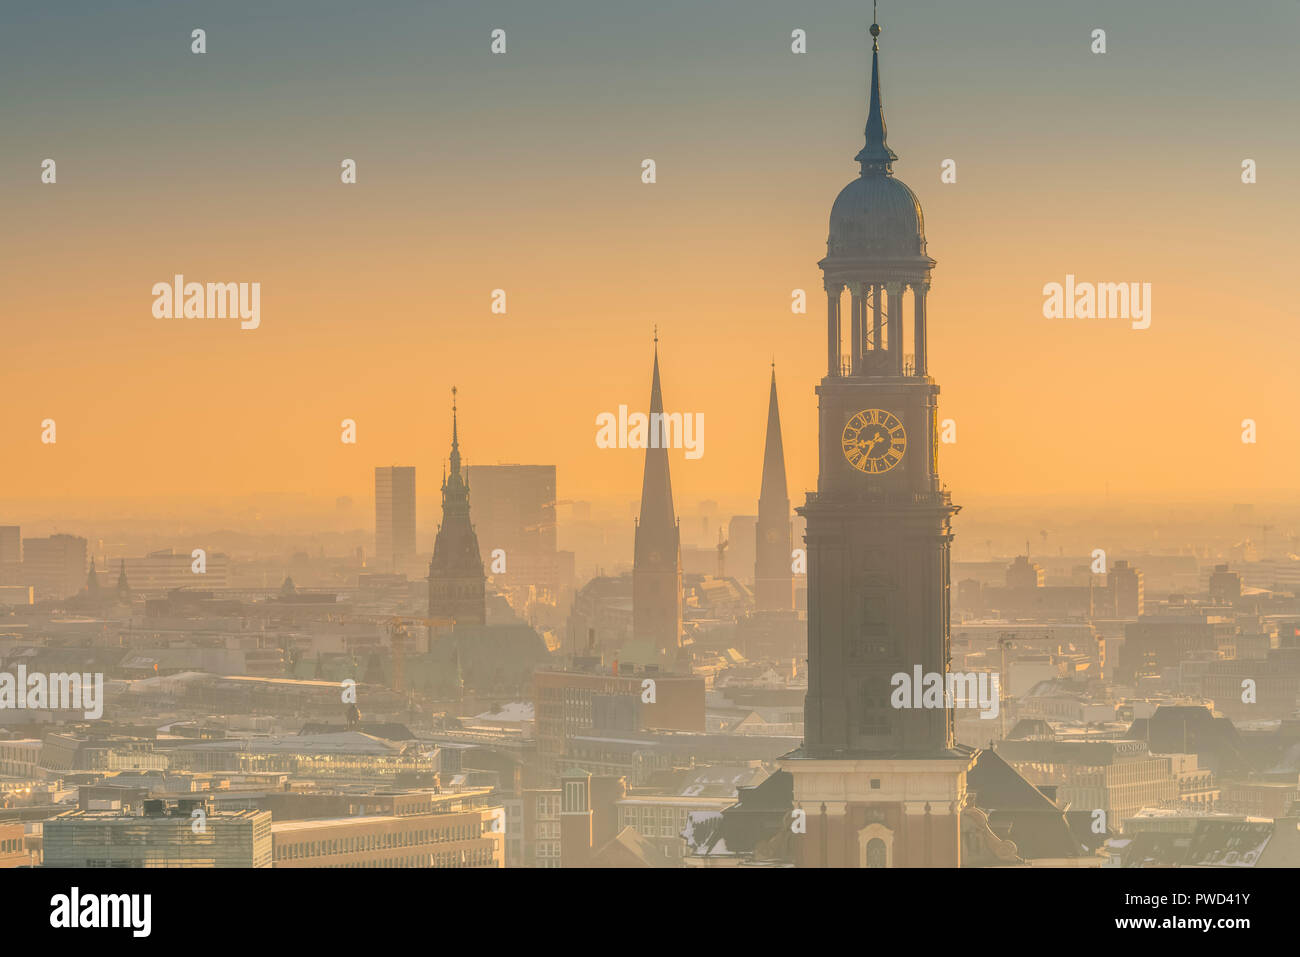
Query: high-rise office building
x: 55, y: 567
x: 1126, y: 585
x: 394, y: 517
x: 11, y: 555
x: 166, y: 569
x: 514, y: 512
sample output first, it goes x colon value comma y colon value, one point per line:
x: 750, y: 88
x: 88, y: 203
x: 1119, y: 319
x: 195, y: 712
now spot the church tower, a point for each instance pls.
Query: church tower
x: 773, y: 572
x: 123, y: 587
x: 657, y: 556
x: 881, y: 785
x: 457, y: 584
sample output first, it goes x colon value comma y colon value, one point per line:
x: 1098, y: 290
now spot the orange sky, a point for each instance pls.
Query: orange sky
x: 375, y: 297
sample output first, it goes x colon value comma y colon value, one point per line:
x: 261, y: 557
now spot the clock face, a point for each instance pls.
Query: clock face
x: 874, y: 441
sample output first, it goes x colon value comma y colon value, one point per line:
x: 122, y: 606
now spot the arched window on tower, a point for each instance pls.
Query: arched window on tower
x: 877, y: 854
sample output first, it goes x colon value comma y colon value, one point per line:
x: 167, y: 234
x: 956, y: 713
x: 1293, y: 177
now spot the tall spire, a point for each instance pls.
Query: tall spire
x: 656, y: 483
x: 773, y: 577
x: 123, y: 589
x: 456, y: 578
x: 657, y: 552
x: 455, y: 439
x: 774, y: 487
x: 876, y: 156
x: 455, y: 490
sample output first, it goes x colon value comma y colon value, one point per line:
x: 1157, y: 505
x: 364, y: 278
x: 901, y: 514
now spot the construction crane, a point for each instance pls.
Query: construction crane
x: 542, y: 526
x: 722, y: 554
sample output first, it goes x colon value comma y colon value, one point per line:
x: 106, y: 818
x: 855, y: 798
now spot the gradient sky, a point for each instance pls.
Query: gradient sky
x: 522, y: 172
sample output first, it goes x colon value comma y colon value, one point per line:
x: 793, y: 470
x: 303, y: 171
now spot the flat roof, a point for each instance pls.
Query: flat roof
x: 116, y: 814
x: 280, y: 826
x: 679, y: 799
x: 300, y: 682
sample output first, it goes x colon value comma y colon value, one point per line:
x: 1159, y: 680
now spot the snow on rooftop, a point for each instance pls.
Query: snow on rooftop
x: 514, y: 711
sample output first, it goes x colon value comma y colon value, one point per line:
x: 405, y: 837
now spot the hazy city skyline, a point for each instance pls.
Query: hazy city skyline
x: 584, y: 452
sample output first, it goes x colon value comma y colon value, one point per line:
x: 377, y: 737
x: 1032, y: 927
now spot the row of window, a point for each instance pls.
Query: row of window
x: 372, y: 842
x: 646, y: 824
x: 476, y: 858
x: 11, y: 847
x: 548, y: 805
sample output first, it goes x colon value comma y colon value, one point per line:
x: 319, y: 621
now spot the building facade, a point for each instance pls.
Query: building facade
x: 394, y: 517
x: 167, y: 834
x: 11, y: 555
x: 473, y: 837
x: 13, y: 845
x: 55, y: 566
x: 514, y: 512
x: 566, y: 704
x: 167, y: 569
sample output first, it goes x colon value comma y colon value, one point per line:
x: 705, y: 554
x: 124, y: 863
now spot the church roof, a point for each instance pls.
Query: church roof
x: 629, y: 849
x: 876, y: 156
x: 1193, y: 729
x: 656, y: 531
x: 455, y: 550
x: 876, y: 216
x: 774, y: 490
x: 1019, y: 812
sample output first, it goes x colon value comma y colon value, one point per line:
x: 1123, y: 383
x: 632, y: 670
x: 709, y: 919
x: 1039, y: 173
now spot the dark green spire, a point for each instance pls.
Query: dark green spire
x: 876, y: 156
x: 456, y: 477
